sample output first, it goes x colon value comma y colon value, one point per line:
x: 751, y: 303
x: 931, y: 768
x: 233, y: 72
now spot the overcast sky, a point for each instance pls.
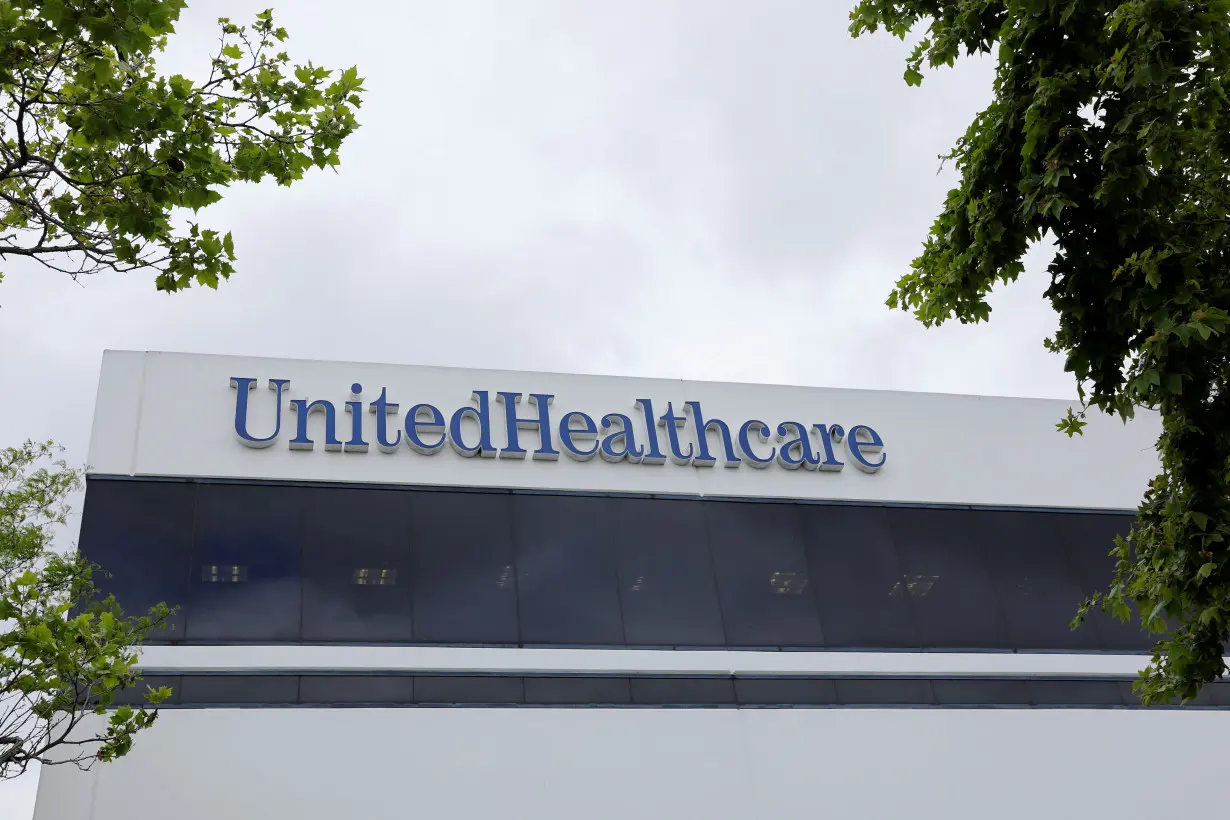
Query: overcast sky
x: 711, y: 190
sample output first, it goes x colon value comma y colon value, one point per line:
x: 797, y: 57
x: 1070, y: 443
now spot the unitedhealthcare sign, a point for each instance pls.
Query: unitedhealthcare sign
x: 532, y: 430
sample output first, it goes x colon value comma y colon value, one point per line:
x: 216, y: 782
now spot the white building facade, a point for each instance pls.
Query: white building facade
x: 443, y: 593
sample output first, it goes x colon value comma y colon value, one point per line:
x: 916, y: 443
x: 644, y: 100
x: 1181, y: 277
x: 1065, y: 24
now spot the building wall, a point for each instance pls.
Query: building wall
x: 163, y: 414
x: 324, y: 764
x: 174, y: 416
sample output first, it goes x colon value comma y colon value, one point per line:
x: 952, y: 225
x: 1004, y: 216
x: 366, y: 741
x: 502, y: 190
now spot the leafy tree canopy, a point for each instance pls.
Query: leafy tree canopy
x: 103, y: 160
x: 1107, y: 135
x: 65, y: 654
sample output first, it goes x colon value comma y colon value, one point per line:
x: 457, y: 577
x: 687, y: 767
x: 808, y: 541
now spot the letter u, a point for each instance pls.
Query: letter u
x: 242, y: 388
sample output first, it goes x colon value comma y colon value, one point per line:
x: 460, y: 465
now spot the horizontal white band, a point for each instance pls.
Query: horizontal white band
x: 260, y: 659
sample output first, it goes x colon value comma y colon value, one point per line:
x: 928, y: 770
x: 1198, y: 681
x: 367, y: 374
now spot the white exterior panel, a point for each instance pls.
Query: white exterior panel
x: 606, y: 764
x: 942, y: 449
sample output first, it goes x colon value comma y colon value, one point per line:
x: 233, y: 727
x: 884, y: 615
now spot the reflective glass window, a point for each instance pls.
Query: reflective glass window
x: 980, y: 692
x: 1033, y: 577
x: 764, y: 586
x: 885, y: 691
x: 444, y: 689
x: 227, y: 689
x: 785, y: 691
x: 463, y: 572
x: 666, y: 585
x: 376, y: 689
x: 1090, y: 538
x: 140, y: 533
x: 567, y: 577
x: 861, y: 591
x: 1075, y: 693
x: 945, y: 579
x: 356, y: 565
x: 565, y: 691
x: 683, y: 691
x: 245, y: 582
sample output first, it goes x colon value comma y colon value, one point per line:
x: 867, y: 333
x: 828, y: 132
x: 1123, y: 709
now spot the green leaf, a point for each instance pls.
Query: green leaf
x: 1206, y: 570
x: 913, y: 76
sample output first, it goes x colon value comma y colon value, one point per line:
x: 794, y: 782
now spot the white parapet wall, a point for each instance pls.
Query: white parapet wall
x: 165, y: 414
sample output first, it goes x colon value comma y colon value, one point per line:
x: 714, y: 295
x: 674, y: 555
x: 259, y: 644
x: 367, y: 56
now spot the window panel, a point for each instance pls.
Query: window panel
x: 981, y: 692
x: 563, y: 691
x: 1090, y: 538
x: 885, y: 691
x: 356, y: 565
x: 136, y: 695
x: 764, y: 587
x: 567, y: 576
x: 857, y: 578
x: 245, y: 576
x: 946, y: 581
x: 376, y: 689
x: 785, y: 691
x: 140, y: 533
x: 1035, y: 582
x: 683, y: 691
x: 227, y: 689
x: 1075, y: 693
x: 666, y: 583
x: 463, y: 571
x: 445, y: 689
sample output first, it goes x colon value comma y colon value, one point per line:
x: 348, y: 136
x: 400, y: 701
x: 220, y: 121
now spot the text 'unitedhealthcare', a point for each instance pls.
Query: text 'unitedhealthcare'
x: 613, y: 438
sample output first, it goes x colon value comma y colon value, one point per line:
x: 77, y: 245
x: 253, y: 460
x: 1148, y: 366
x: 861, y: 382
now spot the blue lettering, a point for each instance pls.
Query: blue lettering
x: 569, y: 435
x: 654, y: 455
x: 672, y: 424
x: 827, y: 436
x: 702, y: 427
x: 242, y: 388
x: 542, y: 423
x: 859, y: 449
x: 797, y: 452
x: 355, y: 408
x: 482, y: 415
x: 302, y: 411
x: 416, y: 427
x: 624, y: 437
x: 761, y: 431
x: 382, y: 408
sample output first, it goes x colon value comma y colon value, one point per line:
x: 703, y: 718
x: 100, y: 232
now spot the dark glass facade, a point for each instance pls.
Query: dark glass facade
x: 257, y: 563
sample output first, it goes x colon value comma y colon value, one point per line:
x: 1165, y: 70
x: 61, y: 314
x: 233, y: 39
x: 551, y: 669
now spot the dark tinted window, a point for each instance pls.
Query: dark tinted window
x: 886, y: 691
x: 356, y: 565
x: 578, y: 691
x: 857, y: 577
x: 765, y: 589
x: 356, y: 689
x: 136, y: 695
x: 979, y: 692
x: 463, y: 569
x: 462, y: 689
x: 946, y: 581
x: 567, y: 578
x: 224, y: 689
x: 666, y: 581
x: 140, y: 533
x: 1075, y: 693
x: 1033, y: 577
x: 785, y: 691
x: 245, y: 573
x: 689, y: 691
x: 1089, y: 539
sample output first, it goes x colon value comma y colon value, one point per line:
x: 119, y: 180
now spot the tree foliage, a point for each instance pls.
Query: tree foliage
x: 103, y: 160
x: 1107, y: 135
x: 65, y: 653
